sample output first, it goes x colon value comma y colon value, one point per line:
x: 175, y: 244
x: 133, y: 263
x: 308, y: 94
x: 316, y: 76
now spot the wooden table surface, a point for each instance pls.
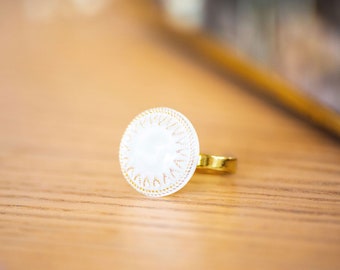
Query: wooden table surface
x: 70, y: 84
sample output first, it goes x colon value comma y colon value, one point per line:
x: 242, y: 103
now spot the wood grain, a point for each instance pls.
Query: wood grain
x: 68, y: 88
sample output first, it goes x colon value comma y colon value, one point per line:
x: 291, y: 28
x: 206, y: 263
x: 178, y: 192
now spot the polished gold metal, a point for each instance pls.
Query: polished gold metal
x: 216, y: 164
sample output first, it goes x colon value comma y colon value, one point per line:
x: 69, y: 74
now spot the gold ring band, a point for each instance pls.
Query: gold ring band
x: 216, y: 164
x: 159, y: 153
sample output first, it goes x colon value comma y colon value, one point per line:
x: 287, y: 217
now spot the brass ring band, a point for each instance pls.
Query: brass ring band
x: 216, y: 164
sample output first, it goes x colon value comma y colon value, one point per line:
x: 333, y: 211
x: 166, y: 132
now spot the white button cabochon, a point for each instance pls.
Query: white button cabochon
x: 159, y: 152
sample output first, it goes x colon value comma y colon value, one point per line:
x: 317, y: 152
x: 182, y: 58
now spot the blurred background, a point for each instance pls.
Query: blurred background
x: 290, y: 50
x: 299, y: 40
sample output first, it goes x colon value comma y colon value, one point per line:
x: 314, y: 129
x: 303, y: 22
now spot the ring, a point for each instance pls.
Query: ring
x: 159, y: 152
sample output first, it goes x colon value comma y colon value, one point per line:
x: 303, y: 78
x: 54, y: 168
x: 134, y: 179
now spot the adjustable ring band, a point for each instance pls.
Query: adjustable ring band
x: 159, y: 153
x: 216, y: 164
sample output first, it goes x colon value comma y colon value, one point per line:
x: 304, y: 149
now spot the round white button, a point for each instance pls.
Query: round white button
x: 159, y: 152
